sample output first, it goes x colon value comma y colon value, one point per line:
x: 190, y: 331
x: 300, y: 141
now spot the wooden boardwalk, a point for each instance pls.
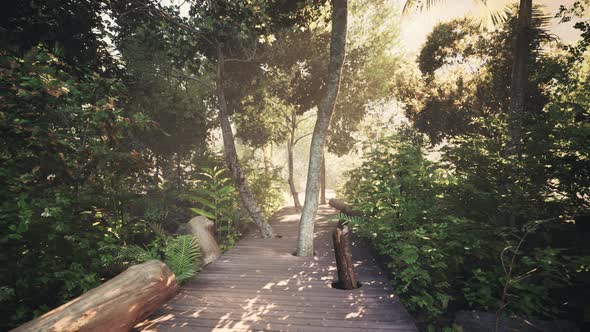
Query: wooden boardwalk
x: 260, y: 285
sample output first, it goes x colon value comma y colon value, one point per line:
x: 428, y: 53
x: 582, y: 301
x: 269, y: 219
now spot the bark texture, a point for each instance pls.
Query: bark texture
x: 203, y: 229
x: 325, y: 111
x: 290, y: 160
x: 323, y: 181
x: 343, y: 252
x: 117, y: 305
x: 291, y: 180
x: 231, y: 155
x: 520, y: 74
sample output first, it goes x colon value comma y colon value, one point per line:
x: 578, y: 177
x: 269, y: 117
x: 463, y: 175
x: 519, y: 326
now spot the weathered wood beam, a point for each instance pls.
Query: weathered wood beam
x: 117, y: 305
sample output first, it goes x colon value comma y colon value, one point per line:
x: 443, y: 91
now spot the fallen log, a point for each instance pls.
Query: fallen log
x: 203, y: 229
x: 343, y: 252
x: 117, y: 305
x: 344, y: 207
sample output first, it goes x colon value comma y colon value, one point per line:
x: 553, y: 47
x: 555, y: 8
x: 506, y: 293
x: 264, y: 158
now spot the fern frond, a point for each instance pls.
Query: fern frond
x: 158, y: 229
x: 134, y: 254
x: 182, y: 256
x: 346, y: 219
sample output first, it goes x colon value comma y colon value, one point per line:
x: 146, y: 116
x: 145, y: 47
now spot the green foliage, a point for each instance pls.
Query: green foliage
x: 448, y: 239
x: 346, y: 219
x: 180, y: 253
x: 217, y: 201
x: 64, y: 175
x: 267, y: 186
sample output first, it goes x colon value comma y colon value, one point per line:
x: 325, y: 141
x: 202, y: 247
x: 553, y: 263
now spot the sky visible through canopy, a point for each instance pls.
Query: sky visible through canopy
x: 416, y: 27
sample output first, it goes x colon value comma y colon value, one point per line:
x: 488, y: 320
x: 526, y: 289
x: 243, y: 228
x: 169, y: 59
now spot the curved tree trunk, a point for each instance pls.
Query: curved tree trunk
x: 231, y: 155
x: 519, y: 80
x: 325, y: 110
x: 323, y: 181
x: 291, y: 180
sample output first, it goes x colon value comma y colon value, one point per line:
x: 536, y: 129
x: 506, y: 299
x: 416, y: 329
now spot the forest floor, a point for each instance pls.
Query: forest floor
x: 260, y: 285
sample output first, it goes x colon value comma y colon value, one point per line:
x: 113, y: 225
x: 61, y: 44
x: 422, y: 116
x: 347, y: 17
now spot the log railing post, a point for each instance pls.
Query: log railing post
x: 344, y: 264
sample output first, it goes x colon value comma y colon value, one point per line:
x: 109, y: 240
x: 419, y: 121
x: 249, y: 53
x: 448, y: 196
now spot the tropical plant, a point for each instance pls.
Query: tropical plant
x: 446, y: 234
x: 218, y: 202
x: 180, y: 253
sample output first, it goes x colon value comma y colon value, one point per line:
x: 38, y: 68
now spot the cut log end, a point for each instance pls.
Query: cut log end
x: 203, y: 230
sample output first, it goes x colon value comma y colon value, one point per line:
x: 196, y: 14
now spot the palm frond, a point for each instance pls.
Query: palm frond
x: 497, y: 15
x: 182, y: 256
x: 419, y: 5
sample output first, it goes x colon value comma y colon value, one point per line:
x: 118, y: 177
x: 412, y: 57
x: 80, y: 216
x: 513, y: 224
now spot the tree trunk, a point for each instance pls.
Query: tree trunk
x: 291, y: 181
x: 203, y: 230
x: 266, y: 158
x: 231, y: 155
x: 178, y: 171
x: 116, y: 305
x: 519, y: 81
x: 325, y: 110
x: 342, y: 250
x: 323, y: 181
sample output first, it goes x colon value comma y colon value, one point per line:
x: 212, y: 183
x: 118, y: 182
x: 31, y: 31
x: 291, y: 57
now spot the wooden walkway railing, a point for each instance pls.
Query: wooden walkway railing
x: 260, y: 285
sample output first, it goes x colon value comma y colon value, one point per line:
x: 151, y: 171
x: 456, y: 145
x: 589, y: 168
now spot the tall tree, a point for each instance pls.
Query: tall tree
x: 519, y: 80
x: 216, y: 40
x: 318, y: 141
x: 286, y: 91
x: 231, y: 155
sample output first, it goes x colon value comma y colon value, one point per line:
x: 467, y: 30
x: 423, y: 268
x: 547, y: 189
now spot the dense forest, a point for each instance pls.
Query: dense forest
x: 467, y: 162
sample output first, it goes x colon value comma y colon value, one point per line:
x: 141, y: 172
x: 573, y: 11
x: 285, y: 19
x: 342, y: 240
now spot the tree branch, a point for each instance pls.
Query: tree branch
x: 300, y: 138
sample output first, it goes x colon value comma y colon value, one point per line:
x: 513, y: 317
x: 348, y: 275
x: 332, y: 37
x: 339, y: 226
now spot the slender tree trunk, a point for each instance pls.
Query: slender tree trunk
x: 231, y: 156
x: 323, y: 181
x: 290, y: 167
x: 519, y: 81
x: 266, y: 158
x: 178, y: 171
x: 518, y: 97
x: 325, y: 110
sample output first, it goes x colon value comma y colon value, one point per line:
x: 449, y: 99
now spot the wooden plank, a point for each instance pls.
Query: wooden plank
x: 260, y: 285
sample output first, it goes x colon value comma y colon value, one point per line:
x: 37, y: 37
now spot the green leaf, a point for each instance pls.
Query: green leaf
x: 203, y: 213
x: 183, y: 257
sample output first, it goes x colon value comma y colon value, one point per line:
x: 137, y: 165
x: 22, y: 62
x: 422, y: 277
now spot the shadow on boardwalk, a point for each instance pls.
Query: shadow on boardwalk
x: 260, y: 285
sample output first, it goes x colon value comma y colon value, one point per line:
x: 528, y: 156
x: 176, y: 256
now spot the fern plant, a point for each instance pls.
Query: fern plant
x: 182, y: 255
x: 134, y: 254
x: 347, y: 219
